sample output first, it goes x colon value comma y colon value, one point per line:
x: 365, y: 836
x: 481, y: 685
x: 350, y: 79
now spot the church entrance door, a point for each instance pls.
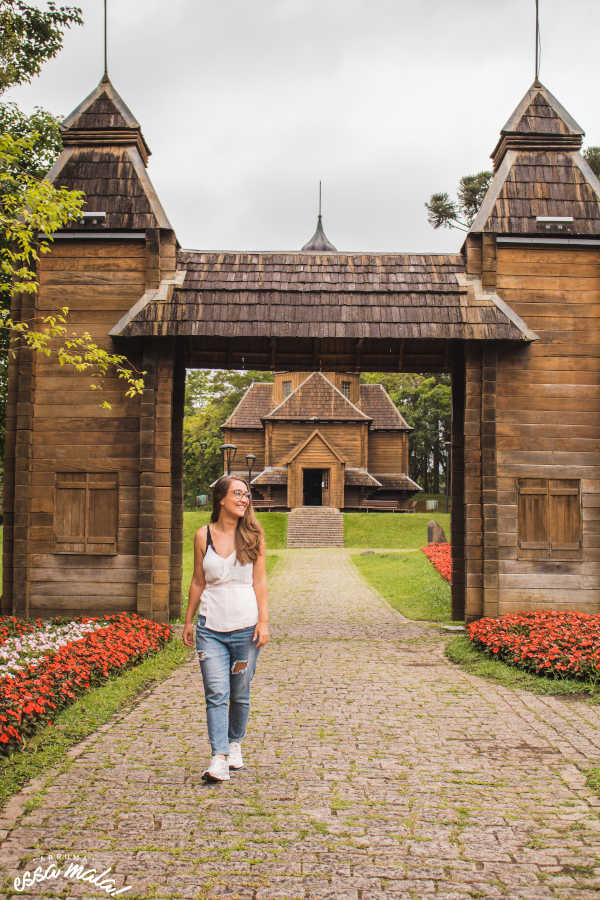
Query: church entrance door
x: 312, y: 493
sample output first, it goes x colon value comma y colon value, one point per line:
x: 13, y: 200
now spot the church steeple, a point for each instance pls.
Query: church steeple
x: 539, y: 122
x: 319, y: 243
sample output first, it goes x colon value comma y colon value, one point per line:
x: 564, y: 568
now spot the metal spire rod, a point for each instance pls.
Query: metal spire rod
x: 319, y: 198
x: 537, y: 39
x: 105, y: 44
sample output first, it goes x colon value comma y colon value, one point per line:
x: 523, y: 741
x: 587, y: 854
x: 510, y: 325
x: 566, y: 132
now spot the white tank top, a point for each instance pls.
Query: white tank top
x: 228, y: 601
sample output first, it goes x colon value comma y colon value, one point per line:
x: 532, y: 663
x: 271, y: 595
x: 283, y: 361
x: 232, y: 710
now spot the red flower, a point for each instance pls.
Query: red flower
x: 440, y: 556
x: 558, y: 644
x: 56, y: 680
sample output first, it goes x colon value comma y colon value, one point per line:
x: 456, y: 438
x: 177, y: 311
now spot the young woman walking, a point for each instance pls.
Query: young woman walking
x: 230, y: 586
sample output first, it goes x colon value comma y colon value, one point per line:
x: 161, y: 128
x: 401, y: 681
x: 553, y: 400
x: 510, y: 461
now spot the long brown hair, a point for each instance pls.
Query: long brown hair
x: 248, y: 533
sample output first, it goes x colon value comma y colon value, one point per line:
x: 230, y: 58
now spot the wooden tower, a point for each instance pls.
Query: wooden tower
x: 535, y: 242
x: 89, y: 491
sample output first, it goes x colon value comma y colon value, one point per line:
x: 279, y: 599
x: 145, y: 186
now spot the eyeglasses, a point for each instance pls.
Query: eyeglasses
x: 241, y: 495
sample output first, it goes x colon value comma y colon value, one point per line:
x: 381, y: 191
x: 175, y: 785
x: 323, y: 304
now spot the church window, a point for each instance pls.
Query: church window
x: 549, y: 515
x: 86, y: 513
x: 287, y: 388
x: 346, y: 389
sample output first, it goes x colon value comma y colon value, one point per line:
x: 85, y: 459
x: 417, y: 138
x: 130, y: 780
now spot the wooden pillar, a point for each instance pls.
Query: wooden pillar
x: 489, y: 481
x: 457, y: 521
x: 17, y: 471
x: 177, y: 486
x: 473, y: 484
x: 155, y: 505
x: 6, y: 606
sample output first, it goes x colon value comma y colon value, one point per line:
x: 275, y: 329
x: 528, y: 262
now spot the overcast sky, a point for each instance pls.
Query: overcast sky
x: 245, y: 105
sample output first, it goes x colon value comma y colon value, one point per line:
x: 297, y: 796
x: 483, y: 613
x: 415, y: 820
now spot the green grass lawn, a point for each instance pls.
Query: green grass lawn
x: 393, y: 530
x: 408, y: 582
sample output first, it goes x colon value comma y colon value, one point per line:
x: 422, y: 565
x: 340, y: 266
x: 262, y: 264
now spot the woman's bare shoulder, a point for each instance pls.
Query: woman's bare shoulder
x: 200, y: 538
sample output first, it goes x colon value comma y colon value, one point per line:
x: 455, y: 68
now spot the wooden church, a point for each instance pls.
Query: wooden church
x: 93, y: 502
x: 322, y: 439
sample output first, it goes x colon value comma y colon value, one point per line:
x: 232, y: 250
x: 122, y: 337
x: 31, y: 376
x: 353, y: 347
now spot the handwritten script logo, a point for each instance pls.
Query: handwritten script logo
x: 72, y: 869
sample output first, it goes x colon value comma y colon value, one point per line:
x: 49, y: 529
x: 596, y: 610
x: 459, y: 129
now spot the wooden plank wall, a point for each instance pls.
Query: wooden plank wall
x: 247, y: 440
x: 388, y: 451
x: 344, y: 437
x: 68, y: 431
x: 548, y: 417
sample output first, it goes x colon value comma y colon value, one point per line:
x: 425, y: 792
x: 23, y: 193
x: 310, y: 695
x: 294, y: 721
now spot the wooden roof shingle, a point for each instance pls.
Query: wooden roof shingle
x: 378, y: 404
x: 539, y: 121
x: 394, y: 481
x: 333, y: 295
x: 316, y: 398
x: 105, y: 155
x: 540, y: 173
x: 254, y: 405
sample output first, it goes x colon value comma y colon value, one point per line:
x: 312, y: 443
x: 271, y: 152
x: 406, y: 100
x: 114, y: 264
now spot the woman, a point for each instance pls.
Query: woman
x: 230, y: 586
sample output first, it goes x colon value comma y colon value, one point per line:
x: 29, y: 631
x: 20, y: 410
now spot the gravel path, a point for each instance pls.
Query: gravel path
x: 375, y: 769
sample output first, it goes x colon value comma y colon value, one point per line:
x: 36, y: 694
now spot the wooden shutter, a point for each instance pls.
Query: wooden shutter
x: 564, y: 514
x: 69, y: 512
x: 533, y: 514
x: 102, y: 513
x: 86, y: 512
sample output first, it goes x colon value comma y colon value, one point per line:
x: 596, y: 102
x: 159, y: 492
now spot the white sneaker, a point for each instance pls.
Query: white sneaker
x: 218, y: 770
x: 235, y: 755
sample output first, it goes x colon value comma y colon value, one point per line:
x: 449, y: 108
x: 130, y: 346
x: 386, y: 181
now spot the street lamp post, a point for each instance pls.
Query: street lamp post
x: 250, y: 460
x: 229, y: 451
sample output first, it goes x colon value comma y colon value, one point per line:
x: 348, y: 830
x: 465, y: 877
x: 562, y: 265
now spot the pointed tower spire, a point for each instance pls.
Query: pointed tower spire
x: 106, y: 156
x: 540, y: 122
x: 319, y: 243
x: 105, y: 76
x: 104, y: 118
x: 542, y: 183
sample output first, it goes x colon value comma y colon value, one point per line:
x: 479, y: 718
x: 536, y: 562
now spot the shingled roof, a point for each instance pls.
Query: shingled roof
x: 333, y: 295
x: 393, y: 481
x: 317, y: 398
x: 379, y: 406
x: 105, y: 155
x: 256, y: 403
x: 539, y: 120
x: 540, y: 173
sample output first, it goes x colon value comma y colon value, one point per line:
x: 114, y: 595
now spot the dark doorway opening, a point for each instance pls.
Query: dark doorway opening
x: 312, y: 493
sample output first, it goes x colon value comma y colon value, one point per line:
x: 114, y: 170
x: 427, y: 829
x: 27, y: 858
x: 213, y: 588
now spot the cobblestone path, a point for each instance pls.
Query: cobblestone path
x: 375, y: 769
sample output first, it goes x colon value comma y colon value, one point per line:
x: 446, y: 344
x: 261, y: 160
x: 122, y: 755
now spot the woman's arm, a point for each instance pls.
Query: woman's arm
x: 196, y: 587
x: 261, y: 632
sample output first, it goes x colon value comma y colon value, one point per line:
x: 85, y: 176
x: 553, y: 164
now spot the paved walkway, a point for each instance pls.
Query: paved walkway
x: 375, y: 770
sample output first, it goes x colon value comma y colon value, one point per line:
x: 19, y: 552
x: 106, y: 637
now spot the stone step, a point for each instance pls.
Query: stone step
x: 315, y: 526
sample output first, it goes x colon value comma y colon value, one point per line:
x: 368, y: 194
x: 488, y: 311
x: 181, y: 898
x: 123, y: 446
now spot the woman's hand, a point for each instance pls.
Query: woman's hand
x: 261, y: 634
x: 188, y: 634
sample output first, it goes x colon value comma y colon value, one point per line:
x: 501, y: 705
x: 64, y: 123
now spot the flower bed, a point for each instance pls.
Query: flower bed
x: 440, y: 556
x: 558, y: 644
x: 44, y: 665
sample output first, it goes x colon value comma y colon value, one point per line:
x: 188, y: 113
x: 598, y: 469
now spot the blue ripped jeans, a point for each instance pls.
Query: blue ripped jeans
x: 228, y: 661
